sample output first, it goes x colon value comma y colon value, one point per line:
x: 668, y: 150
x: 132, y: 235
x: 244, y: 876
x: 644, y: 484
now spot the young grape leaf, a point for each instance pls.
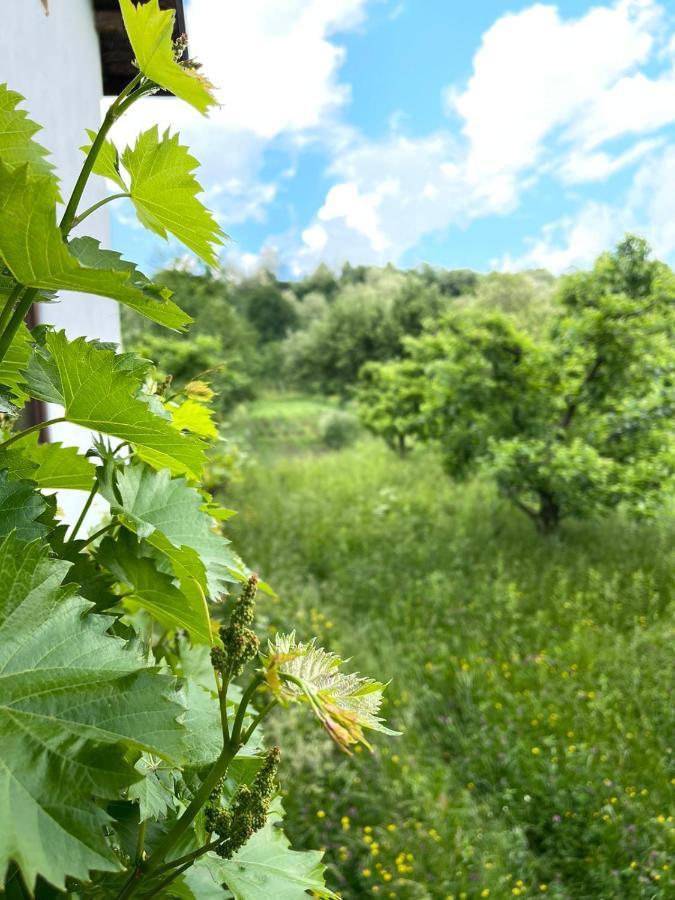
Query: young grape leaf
x: 155, y: 792
x: 164, y: 192
x: 17, y: 146
x: 169, y: 514
x: 33, y: 248
x: 107, y: 163
x: 194, y: 417
x: 73, y: 701
x: 153, y: 590
x: 267, y: 867
x: 150, y: 32
x: 98, y: 390
x: 20, y: 508
x: 48, y: 465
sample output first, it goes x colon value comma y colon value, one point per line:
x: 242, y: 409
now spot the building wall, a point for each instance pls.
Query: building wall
x: 54, y: 62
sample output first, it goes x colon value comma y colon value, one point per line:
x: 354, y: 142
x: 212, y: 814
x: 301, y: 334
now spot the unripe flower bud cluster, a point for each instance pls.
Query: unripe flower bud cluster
x: 247, y: 812
x: 240, y: 644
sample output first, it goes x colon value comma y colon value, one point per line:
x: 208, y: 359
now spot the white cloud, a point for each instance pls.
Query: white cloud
x: 582, y: 166
x: 576, y: 240
x: 652, y: 199
x: 572, y: 242
x: 535, y: 72
x: 540, y: 85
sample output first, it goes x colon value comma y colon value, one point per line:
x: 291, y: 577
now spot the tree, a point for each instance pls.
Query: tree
x: 390, y: 397
x: 367, y: 321
x: 575, y: 423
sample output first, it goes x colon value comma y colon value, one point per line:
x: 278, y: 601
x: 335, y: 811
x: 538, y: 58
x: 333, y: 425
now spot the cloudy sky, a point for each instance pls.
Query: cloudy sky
x: 492, y: 134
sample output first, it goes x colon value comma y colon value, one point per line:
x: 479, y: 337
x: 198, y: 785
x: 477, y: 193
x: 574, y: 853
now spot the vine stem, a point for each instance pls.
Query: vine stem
x: 98, y: 534
x: 17, y: 290
x: 121, y: 104
x: 85, y: 510
x: 167, y: 881
x: 18, y: 316
x: 140, y: 842
x: 22, y: 434
x: 95, y: 206
x: 218, y: 770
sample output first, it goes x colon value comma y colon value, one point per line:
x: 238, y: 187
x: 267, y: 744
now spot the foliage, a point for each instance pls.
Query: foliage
x: 531, y: 681
x: 390, y: 397
x: 569, y: 425
x: 365, y: 322
x: 130, y: 761
x: 339, y: 429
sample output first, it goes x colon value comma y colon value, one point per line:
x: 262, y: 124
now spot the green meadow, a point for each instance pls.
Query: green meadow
x: 530, y: 676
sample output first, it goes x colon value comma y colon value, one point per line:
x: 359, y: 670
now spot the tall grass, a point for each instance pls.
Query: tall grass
x: 531, y: 678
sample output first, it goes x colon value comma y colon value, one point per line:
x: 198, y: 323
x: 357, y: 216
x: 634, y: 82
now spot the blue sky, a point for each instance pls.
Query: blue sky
x: 492, y: 135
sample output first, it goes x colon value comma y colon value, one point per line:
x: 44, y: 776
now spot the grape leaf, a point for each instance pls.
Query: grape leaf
x: 33, y: 248
x: 107, y: 163
x: 13, y: 366
x: 155, y: 304
x: 17, y: 146
x: 169, y: 514
x: 73, y: 701
x: 98, y: 390
x: 194, y: 417
x: 153, y: 590
x: 48, y: 465
x: 150, y: 32
x: 20, y: 507
x: 164, y: 192
x: 154, y: 793
x: 267, y: 867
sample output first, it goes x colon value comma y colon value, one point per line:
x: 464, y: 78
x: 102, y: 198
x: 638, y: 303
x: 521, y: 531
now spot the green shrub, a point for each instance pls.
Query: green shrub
x: 339, y: 429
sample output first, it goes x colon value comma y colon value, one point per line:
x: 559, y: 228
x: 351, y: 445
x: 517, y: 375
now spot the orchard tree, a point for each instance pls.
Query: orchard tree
x: 390, y: 397
x: 575, y: 423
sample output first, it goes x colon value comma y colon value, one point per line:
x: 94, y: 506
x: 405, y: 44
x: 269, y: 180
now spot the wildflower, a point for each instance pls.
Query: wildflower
x: 543, y: 888
x: 366, y: 873
x: 344, y: 704
x: 320, y: 814
x: 536, y: 751
x: 344, y: 821
x: 485, y: 892
x: 391, y: 827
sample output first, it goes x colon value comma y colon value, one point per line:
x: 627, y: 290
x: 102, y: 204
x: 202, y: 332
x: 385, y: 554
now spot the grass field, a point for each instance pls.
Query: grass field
x: 530, y: 677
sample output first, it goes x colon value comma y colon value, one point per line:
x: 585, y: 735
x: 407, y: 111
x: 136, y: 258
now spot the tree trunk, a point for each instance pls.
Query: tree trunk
x: 402, y: 449
x: 548, y: 514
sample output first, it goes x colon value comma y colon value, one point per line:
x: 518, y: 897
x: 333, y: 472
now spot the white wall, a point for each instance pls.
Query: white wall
x: 54, y: 62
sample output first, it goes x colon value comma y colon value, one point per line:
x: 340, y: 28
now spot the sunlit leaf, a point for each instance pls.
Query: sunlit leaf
x: 34, y: 250
x: 17, y: 146
x: 98, y: 391
x: 150, y: 32
x: 164, y: 192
